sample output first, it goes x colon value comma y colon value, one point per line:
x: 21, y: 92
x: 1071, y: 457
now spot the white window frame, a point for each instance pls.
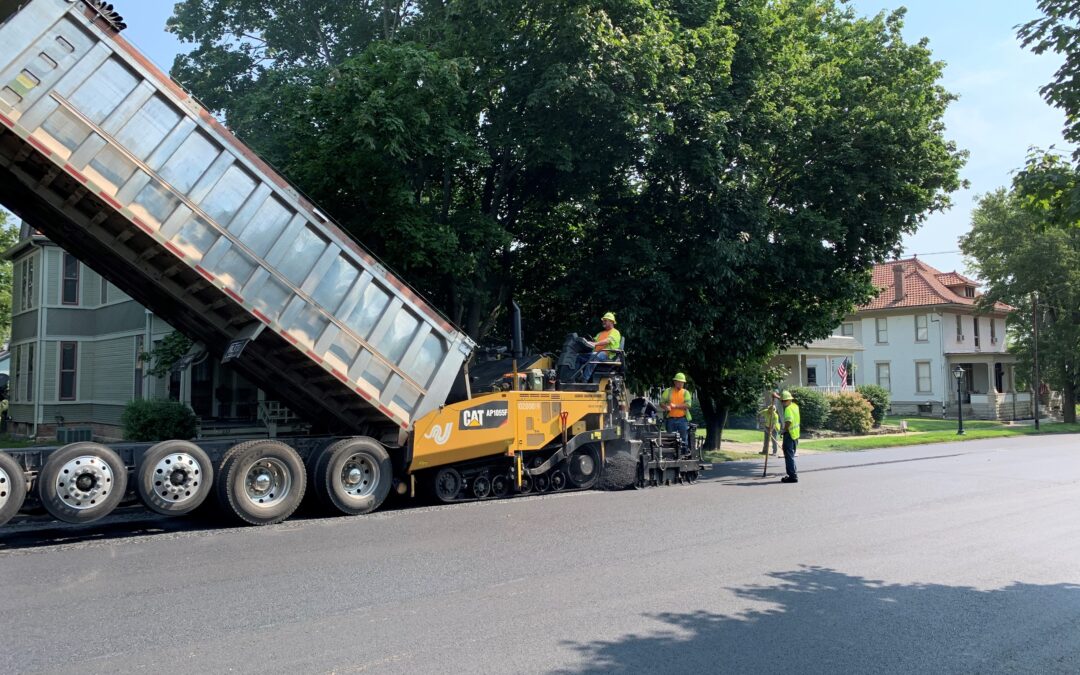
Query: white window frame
x: 64, y: 279
x: 26, y: 283
x: 929, y: 378
x: 888, y: 374
x: 959, y: 328
x: 847, y: 329
x: 881, y: 325
x: 923, y: 329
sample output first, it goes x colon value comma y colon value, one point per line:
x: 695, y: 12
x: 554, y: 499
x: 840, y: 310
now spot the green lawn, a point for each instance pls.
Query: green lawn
x: 923, y: 430
x: 737, y: 435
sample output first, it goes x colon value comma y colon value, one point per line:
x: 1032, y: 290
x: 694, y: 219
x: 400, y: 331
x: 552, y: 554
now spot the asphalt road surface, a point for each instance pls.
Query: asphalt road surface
x: 949, y: 558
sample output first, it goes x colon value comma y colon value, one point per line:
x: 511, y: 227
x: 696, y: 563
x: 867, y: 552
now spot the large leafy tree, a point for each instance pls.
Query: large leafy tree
x: 1019, y: 247
x: 722, y: 174
x: 802, y: 144
x: 1058, y: 30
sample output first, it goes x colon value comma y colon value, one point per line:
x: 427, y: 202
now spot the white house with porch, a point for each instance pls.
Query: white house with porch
x: 920, y: 328
x: 817, y: 365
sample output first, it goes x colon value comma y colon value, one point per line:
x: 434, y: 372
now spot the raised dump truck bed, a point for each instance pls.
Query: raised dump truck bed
x: 104, y: 154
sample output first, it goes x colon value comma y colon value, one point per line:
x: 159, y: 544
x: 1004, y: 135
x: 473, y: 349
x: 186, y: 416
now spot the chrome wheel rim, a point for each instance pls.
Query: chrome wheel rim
x: 83, y: 482
x: 177, y: 477
x: 359, y: 475
x: 267, y: 482
x: 5, y: 487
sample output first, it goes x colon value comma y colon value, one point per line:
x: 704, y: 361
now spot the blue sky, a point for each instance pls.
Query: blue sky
x: 998, y: 118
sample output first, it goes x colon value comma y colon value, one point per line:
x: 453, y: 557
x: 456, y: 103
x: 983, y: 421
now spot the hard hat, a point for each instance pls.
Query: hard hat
x: 608, y: 317
x: 786, y: 396
x: 679, y: 377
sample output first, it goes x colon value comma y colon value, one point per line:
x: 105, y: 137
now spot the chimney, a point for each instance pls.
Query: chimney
x: 898, y: 281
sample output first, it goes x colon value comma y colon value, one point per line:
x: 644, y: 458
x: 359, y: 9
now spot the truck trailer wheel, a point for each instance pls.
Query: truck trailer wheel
x: 174, y: 477
x: 82, y: 482
x: 12, y: 487
x: 353, y: 476
x: 262, y: 483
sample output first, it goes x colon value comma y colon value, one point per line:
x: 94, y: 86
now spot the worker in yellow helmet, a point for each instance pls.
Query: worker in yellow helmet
x: 675, y: 401
x: 603, y: 345
x: 791, y: 435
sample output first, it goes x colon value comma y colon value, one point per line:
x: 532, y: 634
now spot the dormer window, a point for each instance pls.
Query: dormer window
x: 969, y: 291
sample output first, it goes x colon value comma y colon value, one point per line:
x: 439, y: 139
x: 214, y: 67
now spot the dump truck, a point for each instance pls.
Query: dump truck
x: 107, y: 156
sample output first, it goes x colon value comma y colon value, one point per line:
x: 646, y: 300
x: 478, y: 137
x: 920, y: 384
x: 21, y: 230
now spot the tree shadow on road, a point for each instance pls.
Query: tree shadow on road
x: 816, y: 620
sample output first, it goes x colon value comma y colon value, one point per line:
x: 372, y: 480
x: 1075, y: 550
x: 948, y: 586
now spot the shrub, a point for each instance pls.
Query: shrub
x: 850, y: 412
x: 878, y: 398
x: 813, y: 407
x: 157, y: 421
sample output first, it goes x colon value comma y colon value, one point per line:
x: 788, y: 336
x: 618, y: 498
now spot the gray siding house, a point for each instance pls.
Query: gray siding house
x: 76, y: 342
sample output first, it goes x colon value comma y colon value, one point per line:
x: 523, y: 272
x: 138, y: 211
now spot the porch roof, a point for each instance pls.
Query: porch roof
x: 834, y: 344
x: 980, y: 357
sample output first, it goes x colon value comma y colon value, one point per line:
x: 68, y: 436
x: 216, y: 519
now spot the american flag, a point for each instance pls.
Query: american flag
x: 842, y: 372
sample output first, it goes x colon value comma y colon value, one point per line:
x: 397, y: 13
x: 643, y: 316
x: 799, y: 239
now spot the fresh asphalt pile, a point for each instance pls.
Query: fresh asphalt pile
x: 620, y: 472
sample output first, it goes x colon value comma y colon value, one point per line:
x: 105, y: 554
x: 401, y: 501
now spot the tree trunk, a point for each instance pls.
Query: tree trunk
x: 1068, y: 401
x: 715, y: 417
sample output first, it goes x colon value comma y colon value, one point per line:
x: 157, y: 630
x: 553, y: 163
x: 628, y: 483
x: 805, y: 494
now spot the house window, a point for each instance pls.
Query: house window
x: 15, y: 375
x: 975, y: 332
x: 29, y: 373
x: 993, y: 331
x: 922, y: 328
x: 959, y: 328
x: 138, y: 366
x: 811, y: 376
x: 104, y: 290
x: 26, y: 289
x: 923, y: 385
x: 884, y: 378
x: 68, y: 365
x: 70, y: 282
x: 882, y: 326
x: 969, y: 291
x: 847, y: 329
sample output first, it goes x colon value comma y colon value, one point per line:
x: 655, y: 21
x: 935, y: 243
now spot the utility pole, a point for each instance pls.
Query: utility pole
x: 1035, y: 327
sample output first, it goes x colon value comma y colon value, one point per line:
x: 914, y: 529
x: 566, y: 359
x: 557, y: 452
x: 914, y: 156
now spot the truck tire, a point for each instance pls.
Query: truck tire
x: 261, y: 483
x: 353, y: 476
x: 12, y: 487
x: 82, y: 482
x: 174, y: 477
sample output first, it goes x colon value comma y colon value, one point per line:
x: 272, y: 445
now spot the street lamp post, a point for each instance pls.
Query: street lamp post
x: 958, y: 373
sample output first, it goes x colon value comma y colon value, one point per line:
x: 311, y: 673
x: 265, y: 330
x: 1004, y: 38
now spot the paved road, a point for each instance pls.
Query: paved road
x: 947, y: 558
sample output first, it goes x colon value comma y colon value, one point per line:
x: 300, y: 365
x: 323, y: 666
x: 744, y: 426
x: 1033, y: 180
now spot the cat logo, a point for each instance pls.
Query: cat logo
x: 487, y: 416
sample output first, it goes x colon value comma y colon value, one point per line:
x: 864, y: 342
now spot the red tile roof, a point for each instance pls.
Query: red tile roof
x: 955, y: 279
x: 924, y: 286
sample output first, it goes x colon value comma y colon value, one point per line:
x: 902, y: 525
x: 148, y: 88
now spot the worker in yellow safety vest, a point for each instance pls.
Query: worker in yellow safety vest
x: 675, y: 401
x: 603, y: 345
x: 791, y: 435
x: 772, y: 429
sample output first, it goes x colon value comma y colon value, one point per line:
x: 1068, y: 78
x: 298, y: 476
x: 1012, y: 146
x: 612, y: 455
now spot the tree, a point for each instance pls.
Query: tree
x: 9, y: 235
x: 1018, y: 247
x: 723, y: 175
x: 802, y: 144
x: 1058, y: 30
